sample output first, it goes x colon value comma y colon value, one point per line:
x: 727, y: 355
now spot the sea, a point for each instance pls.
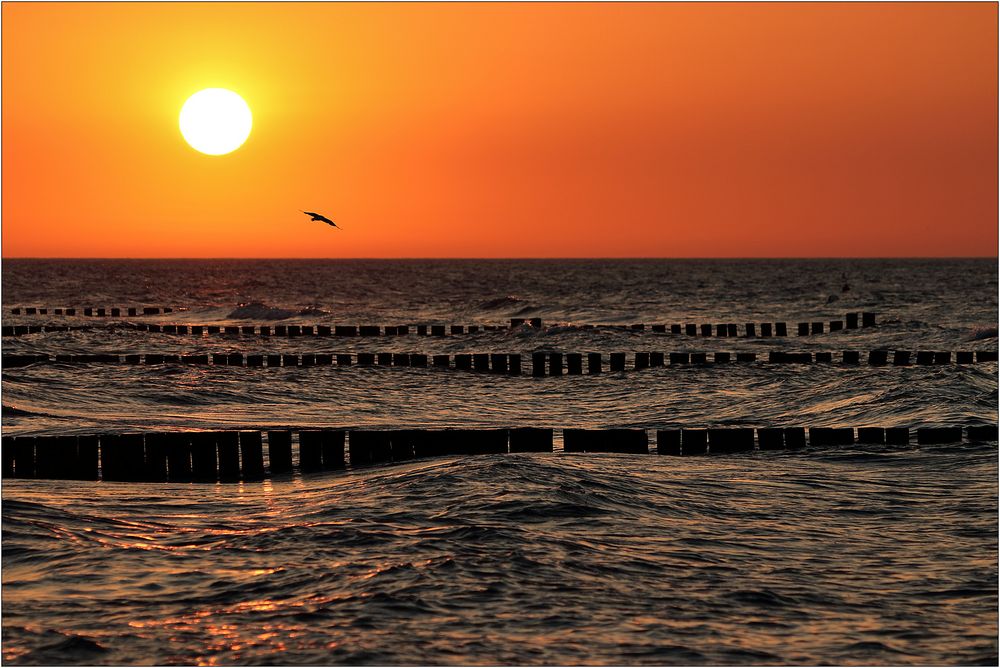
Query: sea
x: 835, y: 555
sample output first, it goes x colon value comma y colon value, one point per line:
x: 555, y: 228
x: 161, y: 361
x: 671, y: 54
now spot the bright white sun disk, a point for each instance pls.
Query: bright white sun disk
x: 215, y: 121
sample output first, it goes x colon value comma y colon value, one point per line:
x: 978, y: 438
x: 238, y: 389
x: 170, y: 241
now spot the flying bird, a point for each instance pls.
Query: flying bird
x: 320, y: 218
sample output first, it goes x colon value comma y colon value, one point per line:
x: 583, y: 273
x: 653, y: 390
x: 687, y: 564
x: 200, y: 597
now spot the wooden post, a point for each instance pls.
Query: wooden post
x: 936, y: 435
x: 370, y: 447
x: 668, y: 442
x: 333, y: 449
x: 852, y: 320
x: 831, y: 436
x: 442, y: 361
x: 400, y: 359
x: 530, y: 439
x: 437, y: 330
x: 817, y: 328
x: 879, y: 357
x: 803, y: 329
x: 726, y: 441
x: 722, y: 358
x: 897, y: 435
x: 24, y: 457
x: 871, y: 435
x: 694, y: 441
x: 574, y: 364
x: 594, y: 363
x: 795, y: 438
x: 765, y: 329
x: 641, y: 361
x: 537, y: 364
x: 901, y: 358
x: 498, y: 362
x: 987, y: 432
x: 555, y: 364
x: 824, y: 358
x: 617, y: 361
x: 179, y: 457
x: 204, y: 460
x: 252, y: 455
x: 780, y: 329
x: 751, y: 330
x: 401, y: 446
x: 279, y: 451
x: 629, y: 441
x: 852, y: 357
x: 771, y: 439
x: 228, y: 443
x: 310, y: 450
x: 157, y: 448
x: 680, y: 358
x: 481, y: 362
x: 867, y: 319
x: 463, y: 361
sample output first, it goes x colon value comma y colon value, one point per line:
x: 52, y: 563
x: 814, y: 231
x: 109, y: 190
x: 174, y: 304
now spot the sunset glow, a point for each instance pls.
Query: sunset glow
x: 504, y: 130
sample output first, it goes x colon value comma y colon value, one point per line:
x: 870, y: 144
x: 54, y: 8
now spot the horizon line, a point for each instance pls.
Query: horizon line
x: 525, y: 259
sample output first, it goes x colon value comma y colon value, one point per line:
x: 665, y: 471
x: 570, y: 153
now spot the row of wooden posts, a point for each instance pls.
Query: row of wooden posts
x: 542, y: 363
x: 90, y: 311
x: 231, y: 456
x: 750, y: 330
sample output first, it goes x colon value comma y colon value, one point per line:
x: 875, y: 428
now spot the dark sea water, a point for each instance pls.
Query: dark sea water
x: 854, y: 555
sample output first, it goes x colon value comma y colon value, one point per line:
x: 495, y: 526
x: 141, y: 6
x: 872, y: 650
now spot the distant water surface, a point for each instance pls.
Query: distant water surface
x: 855, y: 555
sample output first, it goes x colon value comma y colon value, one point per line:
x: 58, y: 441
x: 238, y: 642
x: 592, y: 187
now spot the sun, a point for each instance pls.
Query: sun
x: 215, y: 121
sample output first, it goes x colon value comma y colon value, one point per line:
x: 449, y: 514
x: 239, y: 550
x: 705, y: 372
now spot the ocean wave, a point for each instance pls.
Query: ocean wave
x: 498, y: 303
x: 980, y: 333
x: 259, y: 311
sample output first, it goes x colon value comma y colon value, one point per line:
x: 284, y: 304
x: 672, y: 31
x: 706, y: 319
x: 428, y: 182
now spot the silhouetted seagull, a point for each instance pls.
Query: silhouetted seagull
x: 321, y: 218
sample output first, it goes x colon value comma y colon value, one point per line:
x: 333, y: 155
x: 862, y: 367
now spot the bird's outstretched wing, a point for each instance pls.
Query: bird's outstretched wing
x: 320, y: 218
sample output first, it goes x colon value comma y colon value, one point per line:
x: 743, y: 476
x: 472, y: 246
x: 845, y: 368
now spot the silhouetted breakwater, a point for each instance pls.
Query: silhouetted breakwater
x: 729, y: 330
x: 542, y: 363
x: 234, y: 455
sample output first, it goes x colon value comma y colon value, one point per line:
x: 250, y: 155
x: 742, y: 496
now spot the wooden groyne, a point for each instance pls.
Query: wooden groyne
x: 541, y: 363
x: 252, y: 455
x: 727, y: 330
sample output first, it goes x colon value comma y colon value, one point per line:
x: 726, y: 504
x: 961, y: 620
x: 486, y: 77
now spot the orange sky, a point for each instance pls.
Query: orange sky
x: 504, y: 130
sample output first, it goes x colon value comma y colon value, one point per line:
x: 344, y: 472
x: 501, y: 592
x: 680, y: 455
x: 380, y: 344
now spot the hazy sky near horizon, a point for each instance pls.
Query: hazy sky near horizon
x: 504, y: 130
